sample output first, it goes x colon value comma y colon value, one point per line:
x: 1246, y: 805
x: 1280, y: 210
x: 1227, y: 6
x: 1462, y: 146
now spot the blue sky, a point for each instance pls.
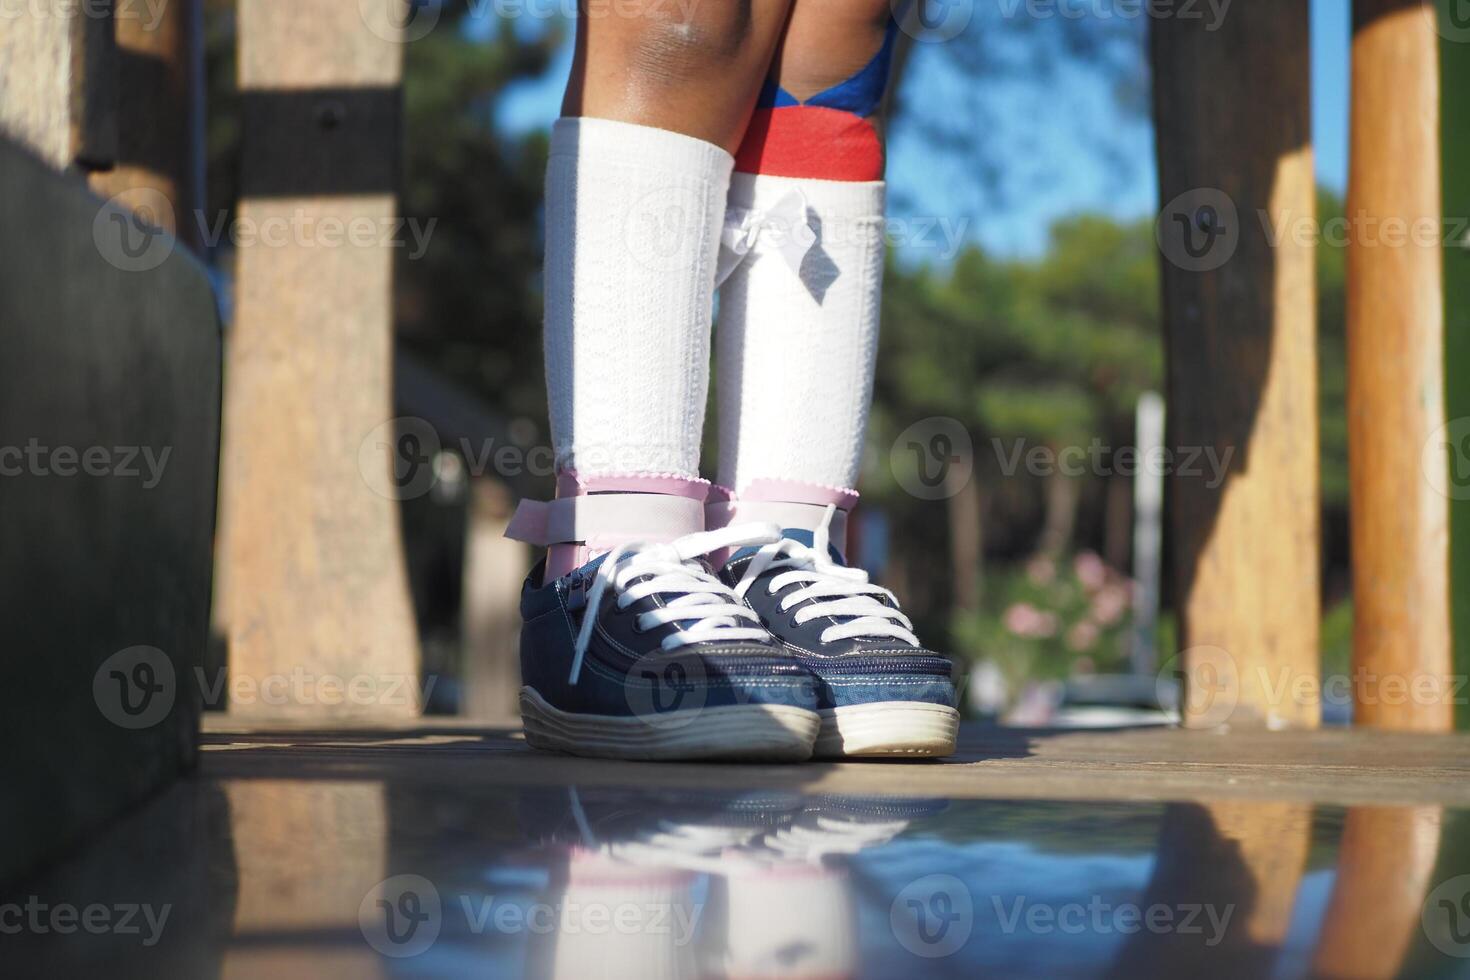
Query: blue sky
x: 1049, y: 128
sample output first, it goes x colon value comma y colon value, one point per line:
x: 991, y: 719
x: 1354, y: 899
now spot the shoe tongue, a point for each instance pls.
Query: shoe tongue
x: 801, y: 536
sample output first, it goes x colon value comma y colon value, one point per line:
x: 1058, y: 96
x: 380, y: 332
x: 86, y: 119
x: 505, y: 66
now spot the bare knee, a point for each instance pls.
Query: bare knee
x: 687, y: 39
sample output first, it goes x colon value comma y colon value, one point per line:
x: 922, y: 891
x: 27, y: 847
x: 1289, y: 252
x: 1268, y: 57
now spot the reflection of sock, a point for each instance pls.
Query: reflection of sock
x: 632, y: 224
x: 616, y: 920
x: 632, y: 234
x: 798, y: 330
x: 790, y: 920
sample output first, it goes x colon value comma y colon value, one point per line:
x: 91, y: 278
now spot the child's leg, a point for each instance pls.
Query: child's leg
x: 798, y: 328
x: 646, y: 654
x: 635, y: 196
x: 798, y: 337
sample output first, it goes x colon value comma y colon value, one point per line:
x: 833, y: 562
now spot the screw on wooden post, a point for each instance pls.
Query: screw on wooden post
x: 1395, y: 332
x: 1235, y: 168
x: 311, y: 570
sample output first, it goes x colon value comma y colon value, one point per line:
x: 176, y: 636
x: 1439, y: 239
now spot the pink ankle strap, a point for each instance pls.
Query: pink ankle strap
x: 593, y: 514
x: 605, y: 520
x: 570, y: 483
x: 785, y: 503
x: 795, y: 492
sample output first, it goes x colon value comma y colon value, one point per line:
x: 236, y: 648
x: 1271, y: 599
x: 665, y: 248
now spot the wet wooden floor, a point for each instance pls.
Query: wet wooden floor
x: 449, y: 850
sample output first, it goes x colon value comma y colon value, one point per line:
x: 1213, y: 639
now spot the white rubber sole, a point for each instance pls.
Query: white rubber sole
x: 756, y: 732
x: 895, y: 728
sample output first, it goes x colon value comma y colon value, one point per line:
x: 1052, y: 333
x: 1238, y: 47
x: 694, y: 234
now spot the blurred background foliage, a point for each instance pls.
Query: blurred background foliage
x: 1029, y: 572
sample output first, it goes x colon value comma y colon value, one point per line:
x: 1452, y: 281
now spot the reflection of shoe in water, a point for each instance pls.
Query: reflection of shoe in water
x: 645, y: 856
x: 749, y: 884
x: 843, y: 825
x: 787, y: 896
x: 835, y: 825
x: 789, y: 912
x: 658, y: 827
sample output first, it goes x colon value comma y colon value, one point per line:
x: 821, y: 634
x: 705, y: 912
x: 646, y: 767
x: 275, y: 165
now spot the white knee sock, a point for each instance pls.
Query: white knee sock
x: 632, y: 235
x: 797, y: 346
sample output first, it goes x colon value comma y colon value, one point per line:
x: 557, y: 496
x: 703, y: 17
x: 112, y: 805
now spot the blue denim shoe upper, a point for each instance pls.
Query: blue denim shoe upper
x: 860, y: 647
x: 637, y: 659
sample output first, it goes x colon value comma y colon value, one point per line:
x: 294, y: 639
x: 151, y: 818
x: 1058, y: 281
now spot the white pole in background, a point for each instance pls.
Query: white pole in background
x: 1148, y: 532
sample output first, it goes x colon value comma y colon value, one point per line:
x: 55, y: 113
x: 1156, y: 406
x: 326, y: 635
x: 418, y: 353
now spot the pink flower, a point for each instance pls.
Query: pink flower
x: 1041, y: 571
x: 1109, y: 603
x: 1081, y: 637
x: 1025, y: 620
x: 1090, y: 570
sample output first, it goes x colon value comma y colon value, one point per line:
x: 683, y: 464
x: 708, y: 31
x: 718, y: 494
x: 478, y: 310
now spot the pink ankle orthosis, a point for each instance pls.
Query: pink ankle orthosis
x: 591, y: 516
x: 786, y: 503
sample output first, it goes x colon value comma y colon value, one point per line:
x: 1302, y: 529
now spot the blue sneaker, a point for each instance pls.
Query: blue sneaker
x: 879, y: 692
x: 644, y: 653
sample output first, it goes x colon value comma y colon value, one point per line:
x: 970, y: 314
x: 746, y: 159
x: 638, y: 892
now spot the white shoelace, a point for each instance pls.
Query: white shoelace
x: 827, y: 835
x: 705, y: 608
x: 846, y: 591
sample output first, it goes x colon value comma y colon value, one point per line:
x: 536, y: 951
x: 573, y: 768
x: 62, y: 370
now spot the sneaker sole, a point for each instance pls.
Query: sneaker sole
x: 757, y: 732
x: 914, y: 729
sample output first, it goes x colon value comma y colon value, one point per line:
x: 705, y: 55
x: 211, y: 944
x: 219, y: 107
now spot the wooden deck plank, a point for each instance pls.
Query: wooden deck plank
x: 1341, y: 767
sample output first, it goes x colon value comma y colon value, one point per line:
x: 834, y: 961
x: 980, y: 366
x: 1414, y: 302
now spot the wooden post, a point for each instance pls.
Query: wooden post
x: 58, y: 85
x: 1235, y: 168
x: 1385, y: 866
x: 159, y: 138
x: 313, y: 586
x: 494, y: 568
x: 318, y: 854
x: 1247, y: 857
x: 1455, y: 132
x: 1395, y: 333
